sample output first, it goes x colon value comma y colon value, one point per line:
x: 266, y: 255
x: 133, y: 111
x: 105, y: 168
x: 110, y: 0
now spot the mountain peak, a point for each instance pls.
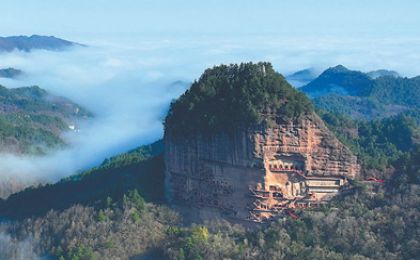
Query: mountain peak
x: 338, y: 68
x: 339, y: 80
x: 383, y: 73
x: 236, y: 95
x: 29, y: 43
x: 10, y: 73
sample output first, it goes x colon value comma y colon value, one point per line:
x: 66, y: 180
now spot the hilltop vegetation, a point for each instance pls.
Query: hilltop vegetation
x: 31, y: 120
x: 228, y: 97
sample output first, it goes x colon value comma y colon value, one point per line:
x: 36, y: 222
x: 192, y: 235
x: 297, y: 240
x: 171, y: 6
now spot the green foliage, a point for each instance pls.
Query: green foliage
x: 359, y: 225
x: 103, y: 187
x: 409, y: 165
x: 134, y: 200
x: 102, y: 216
x: 109, y: 244
x: 31, y: 134
x: 135, y: 216
x: 377, y: 143
x: 80, y: 252
x: 365, y: 108
x: 355, y: 226
x: 339, y: 80
x: 31, y: 120
x: 361, y: 97
x: 132, y: 157
x: 228, y: 97
x: 108, y: 202
x: 401, y: 91
x: 195, y: 243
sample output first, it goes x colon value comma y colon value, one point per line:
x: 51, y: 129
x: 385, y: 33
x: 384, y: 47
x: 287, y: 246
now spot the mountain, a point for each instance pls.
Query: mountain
x: 238, y: 102
x: 339, y: 80
x: 28, y: 43
x: 10, y: 73
x: 399, y: 91
x: 381, y: 73
x: 32, y: 120
x: 117, y: 210
x: 301, y: 77
x: 354, y: 93
x: 241, y: 131
x: 358, y: 107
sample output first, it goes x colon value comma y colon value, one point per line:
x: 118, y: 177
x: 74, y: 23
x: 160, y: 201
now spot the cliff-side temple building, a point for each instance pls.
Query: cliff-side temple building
x: 255, y: 173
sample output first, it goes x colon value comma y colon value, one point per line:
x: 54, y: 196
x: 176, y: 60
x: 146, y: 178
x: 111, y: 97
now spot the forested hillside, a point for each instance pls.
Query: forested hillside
x: 140, y: 169
x: 361, y: 96
x: 378, y: 143
x: 117, y: 210
x: 31, y: 120
x: 228, y: 97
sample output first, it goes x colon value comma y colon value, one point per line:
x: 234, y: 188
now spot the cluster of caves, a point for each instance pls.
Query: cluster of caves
x: 203, y: 190
x: 285, y: 183
x: 288, y: 184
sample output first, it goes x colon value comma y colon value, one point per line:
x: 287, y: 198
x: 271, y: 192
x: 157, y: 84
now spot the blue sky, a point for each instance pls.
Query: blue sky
x: 86, y: 20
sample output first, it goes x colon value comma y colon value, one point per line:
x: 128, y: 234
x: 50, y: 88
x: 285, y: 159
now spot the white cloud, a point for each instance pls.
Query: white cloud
x: 127, y: 85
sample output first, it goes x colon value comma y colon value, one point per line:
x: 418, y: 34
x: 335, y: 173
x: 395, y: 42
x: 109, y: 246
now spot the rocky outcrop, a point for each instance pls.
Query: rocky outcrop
x: 258, y: 172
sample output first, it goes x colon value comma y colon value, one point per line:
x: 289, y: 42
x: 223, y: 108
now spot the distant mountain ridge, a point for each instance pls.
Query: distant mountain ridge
x: 376, y: 94
x: 31, y: 120
x: 10, y: 73
x: 383, y: 73
x: 29, y: 43
x: 301, y: 77
x: 339, y: 80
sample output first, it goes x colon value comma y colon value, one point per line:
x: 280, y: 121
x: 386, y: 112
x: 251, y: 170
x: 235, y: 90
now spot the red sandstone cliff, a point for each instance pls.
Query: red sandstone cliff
x: 218, y: 171
x: 241, y: 142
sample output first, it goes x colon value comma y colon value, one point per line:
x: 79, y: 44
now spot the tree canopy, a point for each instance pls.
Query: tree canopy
x: 230, y: 96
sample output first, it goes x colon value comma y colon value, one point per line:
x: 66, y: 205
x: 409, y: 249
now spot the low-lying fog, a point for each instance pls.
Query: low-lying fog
x: 130, y: 86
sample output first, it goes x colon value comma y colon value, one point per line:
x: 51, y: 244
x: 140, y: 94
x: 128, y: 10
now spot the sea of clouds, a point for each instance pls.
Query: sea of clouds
x: 129, y: 85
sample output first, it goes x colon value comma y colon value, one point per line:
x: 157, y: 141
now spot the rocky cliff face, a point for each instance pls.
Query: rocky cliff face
x: 256, y: 173
x: 243, y: 143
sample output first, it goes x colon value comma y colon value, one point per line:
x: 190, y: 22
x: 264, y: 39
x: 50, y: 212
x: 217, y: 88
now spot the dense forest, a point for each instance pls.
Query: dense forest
x: 32, y: 120
x: 377, y: 143
x: 227, y: 97
x: 344, y: 91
